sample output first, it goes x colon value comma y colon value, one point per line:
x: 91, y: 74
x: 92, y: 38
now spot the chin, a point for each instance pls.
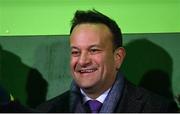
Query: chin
x: 85, y: 86
x: 88, y: 87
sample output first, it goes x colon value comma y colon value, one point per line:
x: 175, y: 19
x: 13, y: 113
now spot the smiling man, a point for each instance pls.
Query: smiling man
x: 94, y: 62
x: 98, y: 85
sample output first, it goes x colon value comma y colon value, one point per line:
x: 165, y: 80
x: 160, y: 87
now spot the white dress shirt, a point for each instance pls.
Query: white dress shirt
x: 101, y: 98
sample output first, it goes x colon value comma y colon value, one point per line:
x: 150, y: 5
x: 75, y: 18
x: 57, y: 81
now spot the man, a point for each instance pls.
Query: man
x: 96, y: 56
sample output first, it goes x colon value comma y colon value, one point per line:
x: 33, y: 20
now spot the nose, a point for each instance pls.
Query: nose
x: 84, y: 59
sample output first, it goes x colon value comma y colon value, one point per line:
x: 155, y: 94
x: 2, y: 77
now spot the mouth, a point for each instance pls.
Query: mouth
x: 87, y: 70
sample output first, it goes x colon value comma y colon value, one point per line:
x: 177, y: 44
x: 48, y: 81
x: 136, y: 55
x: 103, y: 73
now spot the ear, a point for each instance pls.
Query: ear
x: 119, y: 55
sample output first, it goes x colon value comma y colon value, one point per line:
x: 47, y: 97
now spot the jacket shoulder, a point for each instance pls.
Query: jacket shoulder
x: 138, y: 99
x: 59, y: 103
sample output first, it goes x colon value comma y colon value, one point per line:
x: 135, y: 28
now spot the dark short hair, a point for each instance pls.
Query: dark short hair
x: 93, y: 16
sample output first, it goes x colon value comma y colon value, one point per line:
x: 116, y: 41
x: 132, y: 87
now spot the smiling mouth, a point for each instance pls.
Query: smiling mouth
x: 87, y: 70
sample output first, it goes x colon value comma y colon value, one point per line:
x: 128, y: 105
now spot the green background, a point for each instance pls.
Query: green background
x: 34, y: 52
x: 38, y: 17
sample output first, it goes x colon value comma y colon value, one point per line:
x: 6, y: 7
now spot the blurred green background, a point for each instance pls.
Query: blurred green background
x: 34, y: 52
x: 37, y: 17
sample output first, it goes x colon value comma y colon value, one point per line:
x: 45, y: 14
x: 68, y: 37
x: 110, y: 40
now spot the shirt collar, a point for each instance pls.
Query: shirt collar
x: 101, y: 98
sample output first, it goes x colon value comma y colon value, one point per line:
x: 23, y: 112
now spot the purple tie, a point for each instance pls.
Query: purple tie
x: 94, y: 105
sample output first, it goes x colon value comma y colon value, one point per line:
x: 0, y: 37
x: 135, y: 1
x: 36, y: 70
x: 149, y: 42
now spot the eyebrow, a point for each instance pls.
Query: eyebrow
x: 74, y: 47
x: 95, y: 45
x: 91, y: 46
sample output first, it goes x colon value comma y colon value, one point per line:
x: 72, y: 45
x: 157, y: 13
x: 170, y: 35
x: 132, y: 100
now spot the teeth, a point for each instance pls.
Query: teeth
x: 86, y: 71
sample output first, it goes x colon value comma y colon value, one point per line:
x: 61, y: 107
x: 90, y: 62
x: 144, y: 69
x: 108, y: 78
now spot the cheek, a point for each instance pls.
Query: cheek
x: 109, y: 62
x: 103, y: 61
x: 73, y: 62
x: 98, y: 59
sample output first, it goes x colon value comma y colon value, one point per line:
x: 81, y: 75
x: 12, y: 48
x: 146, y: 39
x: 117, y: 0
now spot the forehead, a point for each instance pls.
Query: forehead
x: 90, y: 33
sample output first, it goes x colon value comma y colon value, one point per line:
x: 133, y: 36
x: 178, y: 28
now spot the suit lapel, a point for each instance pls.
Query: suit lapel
x: 131, y: 101
x: 76, y: 103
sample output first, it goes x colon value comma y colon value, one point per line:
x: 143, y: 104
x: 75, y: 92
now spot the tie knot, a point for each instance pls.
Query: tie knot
x: 94, y: 105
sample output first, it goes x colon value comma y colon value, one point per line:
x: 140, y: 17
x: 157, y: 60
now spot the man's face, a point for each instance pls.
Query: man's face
x: 93, y: 62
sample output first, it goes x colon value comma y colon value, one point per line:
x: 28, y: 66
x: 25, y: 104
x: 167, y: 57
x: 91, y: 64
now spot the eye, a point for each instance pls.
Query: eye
x: 94, y: 51
x: 75, y: 53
